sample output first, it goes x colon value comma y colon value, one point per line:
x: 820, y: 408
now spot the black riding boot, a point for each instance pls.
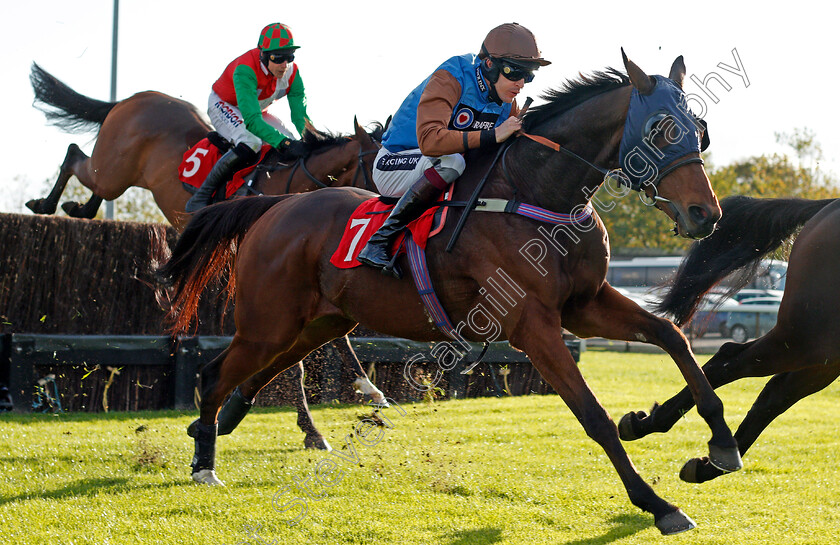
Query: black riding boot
x: 410, y: 206
x: 222, y: 171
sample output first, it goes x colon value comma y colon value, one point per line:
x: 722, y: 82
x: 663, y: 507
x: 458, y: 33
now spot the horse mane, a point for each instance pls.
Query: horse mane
x: 321, y: 141
x: 573, y: 93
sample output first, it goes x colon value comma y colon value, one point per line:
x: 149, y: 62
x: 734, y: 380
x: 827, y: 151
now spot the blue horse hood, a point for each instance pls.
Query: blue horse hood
x: 661, y: 113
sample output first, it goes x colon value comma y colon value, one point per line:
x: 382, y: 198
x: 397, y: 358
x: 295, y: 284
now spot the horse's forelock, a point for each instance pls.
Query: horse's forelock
x: 377, y: 130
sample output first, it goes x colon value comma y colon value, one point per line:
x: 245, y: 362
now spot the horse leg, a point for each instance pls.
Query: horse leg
x: 539, y: 334
x: 246, y: 359
x: 84, y: 211
x: 774, y: 353
x: 242, y: 398
x: 729, y: 364
x: 362, y: 383
x: 72, y: 161
x: 218, y: 378
x: 779, y: 395
x: 251, y: 387
x: 613, y: 316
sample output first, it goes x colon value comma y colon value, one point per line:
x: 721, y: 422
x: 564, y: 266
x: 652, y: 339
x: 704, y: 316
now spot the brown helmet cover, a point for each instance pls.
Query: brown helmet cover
x: 512, y: 41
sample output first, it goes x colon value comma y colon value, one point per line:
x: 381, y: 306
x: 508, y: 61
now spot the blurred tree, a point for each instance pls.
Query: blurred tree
x: 635, y: 230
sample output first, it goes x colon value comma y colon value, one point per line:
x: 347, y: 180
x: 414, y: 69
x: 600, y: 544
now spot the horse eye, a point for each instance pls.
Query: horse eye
x: 654, y: 122
x: 655, y: 129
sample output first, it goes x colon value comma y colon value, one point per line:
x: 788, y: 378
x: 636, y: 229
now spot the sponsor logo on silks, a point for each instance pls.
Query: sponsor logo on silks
x: 466, y: 118
x: 405, y: 161
x: 463, y: 118
x: 479, y: 79
x: 228, y: 113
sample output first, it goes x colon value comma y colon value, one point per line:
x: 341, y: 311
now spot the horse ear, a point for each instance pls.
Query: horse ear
x: 387, y: 123
x: 678, y: 71
x: 360, y: 132
x: 641, y: 81
x: 309, y: 127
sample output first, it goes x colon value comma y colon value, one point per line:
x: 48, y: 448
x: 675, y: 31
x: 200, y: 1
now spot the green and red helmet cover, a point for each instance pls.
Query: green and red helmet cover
x: 276, y: 36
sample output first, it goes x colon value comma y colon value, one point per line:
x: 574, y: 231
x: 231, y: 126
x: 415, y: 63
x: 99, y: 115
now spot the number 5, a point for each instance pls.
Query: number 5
x: 195, y: 161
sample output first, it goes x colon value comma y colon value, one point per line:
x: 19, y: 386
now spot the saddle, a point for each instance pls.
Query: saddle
x: 199, y: 160
x: 371, y: 214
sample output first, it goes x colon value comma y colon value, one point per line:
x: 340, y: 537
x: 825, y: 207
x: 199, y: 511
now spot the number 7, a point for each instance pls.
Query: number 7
x: 353, y: 224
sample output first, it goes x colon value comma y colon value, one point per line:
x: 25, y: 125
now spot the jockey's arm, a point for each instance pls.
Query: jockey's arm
x: 245, y: 85
x: 297, y: 104
x: 439, y: 99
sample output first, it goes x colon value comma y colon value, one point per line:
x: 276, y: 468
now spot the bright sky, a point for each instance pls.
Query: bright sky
x: 361, y: 58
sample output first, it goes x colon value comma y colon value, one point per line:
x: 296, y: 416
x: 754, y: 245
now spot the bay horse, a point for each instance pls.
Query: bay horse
x: 290, y: 299
x: 142, y: 140
x: 801, y: 352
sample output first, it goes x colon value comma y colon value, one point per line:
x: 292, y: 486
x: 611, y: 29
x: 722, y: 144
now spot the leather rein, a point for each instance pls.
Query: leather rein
x: 301, y: 165
x: 617, y: 173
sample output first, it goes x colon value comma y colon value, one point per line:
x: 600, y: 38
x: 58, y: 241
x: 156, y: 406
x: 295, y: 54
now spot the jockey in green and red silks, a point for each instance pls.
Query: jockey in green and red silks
x: 238, y: 102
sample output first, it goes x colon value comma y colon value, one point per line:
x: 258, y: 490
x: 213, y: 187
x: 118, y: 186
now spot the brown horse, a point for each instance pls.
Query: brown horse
x: 802, y: 351
x: 290, y: 299
x: 142, y: 140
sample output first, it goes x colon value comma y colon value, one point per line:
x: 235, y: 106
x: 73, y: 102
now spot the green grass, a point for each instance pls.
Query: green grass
x: 479, y: 471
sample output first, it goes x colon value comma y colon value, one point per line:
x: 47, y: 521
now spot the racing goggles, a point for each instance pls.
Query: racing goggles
x: 280, y: 58
x: 515, y: 72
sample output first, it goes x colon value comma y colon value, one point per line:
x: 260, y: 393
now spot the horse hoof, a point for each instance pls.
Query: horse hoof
x: 192, y: 429
x: 379, y: 402
x: 625, y: 428
x: 675, y: 522
x: 688, y: 473
x: 725, y: 459
x: 71, y: 209
x: 698, y: 471
x: 37, y: 206
x: 207, y: 476
x: 317, y: 442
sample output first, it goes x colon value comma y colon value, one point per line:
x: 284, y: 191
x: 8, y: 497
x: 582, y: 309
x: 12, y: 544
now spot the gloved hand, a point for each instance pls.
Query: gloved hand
x: 294, y: 149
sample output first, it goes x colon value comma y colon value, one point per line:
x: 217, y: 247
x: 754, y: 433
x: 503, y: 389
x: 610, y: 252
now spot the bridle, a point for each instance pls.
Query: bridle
x: 300, y: 164
x: 360, y: 167
x: 617, y: 174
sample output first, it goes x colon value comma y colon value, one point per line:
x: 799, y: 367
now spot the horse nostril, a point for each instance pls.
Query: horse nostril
x: 698, y: 214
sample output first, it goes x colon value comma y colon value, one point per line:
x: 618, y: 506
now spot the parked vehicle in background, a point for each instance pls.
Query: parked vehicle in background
x: 641, y: 275
x: 646, y: 301
x: 754, y: 317
x: 646, y: 274
x: 753, y: 293
x: 640, y: 278
x: 712, y: 315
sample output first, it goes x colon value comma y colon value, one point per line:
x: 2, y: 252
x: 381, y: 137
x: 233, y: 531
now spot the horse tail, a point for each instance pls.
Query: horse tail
x: 749, y: 229
x: 203, y: 252
x: 64, y: 107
